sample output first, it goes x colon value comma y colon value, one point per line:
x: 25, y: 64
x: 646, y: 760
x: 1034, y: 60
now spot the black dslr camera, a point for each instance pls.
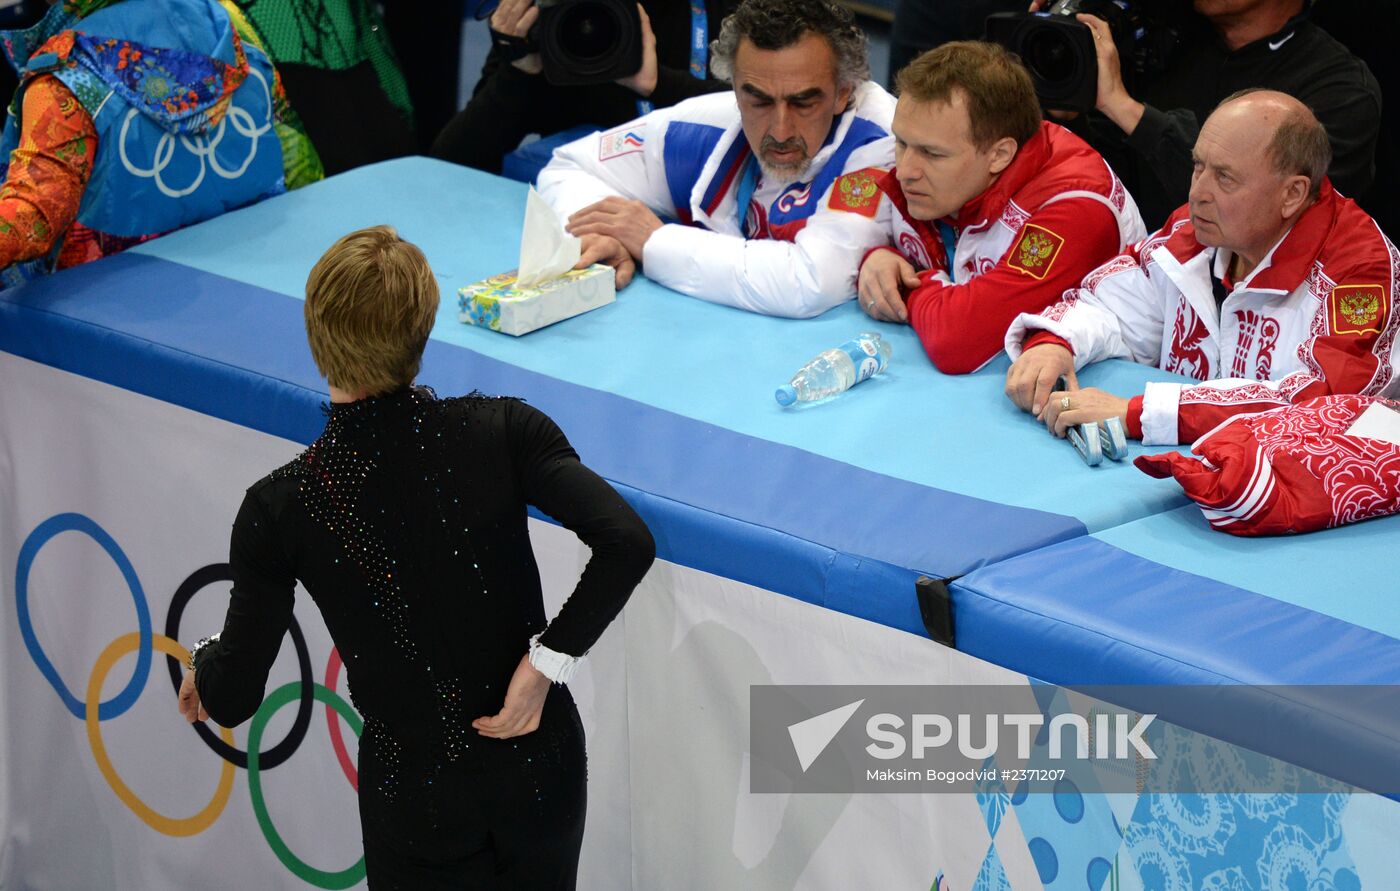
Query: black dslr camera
x: 585, y: 42
x: 1059, y: 51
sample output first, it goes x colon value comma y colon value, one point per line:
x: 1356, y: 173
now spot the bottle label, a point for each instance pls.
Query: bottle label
x: 865, y: 357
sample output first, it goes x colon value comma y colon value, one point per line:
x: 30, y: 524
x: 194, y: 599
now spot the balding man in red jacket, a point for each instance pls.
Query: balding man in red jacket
x: 1268, y: 287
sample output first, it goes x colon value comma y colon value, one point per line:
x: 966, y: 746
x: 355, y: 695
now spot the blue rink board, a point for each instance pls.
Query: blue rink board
x: 702, y: 361
x: 1349, y: 574
x: 235, y: 351
x: 1165, y: 600
x: 840, y: 504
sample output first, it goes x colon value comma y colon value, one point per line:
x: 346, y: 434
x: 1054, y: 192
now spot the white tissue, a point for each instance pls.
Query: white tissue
x: 1377, y: 422
x: 546, y: 250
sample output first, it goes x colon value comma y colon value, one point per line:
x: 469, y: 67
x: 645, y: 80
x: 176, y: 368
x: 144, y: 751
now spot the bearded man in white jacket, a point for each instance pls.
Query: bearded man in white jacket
x: 761, y: 199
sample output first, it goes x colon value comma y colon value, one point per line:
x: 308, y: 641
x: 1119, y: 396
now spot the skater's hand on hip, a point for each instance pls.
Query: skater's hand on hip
x: 524, y: 702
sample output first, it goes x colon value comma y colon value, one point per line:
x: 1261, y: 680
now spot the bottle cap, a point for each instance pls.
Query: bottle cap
x: 786, y: 395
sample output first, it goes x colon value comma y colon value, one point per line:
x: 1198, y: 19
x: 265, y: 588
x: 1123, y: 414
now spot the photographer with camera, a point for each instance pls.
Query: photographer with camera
x: 1148, y: 121
x: 730, y: 197
x: 515, y: 96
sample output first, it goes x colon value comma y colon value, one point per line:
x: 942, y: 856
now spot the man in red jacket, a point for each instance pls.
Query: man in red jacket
x: 991, y: 211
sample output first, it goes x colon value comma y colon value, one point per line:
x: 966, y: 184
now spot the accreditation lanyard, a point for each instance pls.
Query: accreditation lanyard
x: 699, y: 49
x: 748, y: 184
x: 950, y: 243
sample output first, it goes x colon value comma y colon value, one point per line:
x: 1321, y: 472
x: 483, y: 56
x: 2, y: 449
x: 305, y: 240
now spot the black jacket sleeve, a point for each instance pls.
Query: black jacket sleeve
x: 554, y: 480
x: 231, y: 673
x: 677, y: 85
x: 1165, y: 139
x: 500, y: 114
x: 1347, y: 100
x: 674, y: 82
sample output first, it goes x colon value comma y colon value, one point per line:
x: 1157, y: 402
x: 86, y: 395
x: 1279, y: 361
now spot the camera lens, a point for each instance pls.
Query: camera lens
x: 1050, y: 57
x: 588, y: 41
x: 590, y: 31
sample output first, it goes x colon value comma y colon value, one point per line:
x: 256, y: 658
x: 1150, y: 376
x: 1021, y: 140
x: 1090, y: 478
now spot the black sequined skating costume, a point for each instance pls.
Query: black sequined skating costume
x: 406, y: 523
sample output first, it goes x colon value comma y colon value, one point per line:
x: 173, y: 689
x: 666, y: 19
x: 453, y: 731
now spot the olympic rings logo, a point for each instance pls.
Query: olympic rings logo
x: 144, y: 642
x: 203, y: 147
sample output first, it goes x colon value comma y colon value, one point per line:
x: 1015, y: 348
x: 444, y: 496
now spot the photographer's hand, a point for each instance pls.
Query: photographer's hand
x: 1113, y: 99
x: 515, y: 18
x: 643, y: 83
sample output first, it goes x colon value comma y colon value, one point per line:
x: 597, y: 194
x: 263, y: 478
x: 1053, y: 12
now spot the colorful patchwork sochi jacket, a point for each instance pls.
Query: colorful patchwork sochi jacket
x: 113, y: 139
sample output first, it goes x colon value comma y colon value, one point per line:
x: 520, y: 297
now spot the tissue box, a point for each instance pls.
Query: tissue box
x: 497, y: 303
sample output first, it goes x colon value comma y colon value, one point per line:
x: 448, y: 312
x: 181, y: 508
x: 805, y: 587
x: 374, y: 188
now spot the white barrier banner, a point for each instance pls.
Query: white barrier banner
x: 115, y: 511
x: 118, y: 507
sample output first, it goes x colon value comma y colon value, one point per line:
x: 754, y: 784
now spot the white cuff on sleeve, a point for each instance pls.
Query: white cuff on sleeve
x: 1160, y: 402
x: 558, y: 667
x: 1029, y: 323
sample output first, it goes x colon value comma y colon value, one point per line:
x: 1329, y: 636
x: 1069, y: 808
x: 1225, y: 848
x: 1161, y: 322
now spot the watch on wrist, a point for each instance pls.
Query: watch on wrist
x: 194, y: 651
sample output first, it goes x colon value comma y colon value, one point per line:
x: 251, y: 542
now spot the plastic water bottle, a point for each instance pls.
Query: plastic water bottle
x: 835, y: 371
